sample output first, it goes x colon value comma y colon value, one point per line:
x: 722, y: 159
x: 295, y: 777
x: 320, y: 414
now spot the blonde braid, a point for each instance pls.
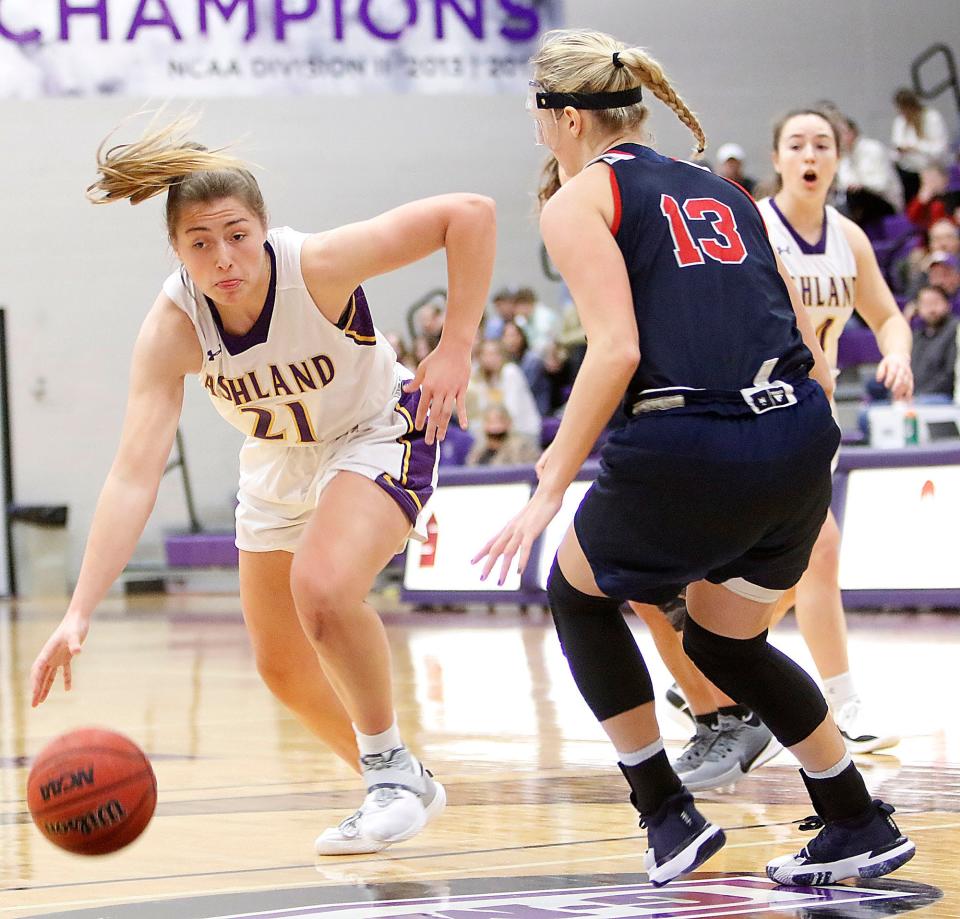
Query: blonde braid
x: 653, y: 78
x: 572, y: 60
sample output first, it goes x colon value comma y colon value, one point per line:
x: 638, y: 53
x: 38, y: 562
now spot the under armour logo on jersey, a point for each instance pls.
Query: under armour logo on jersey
x: 212, y: 354
x: 783, y: 250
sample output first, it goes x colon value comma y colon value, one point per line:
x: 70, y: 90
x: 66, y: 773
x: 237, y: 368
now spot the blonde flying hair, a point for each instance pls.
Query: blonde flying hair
x: 574, y: 60
x: 164, y: 159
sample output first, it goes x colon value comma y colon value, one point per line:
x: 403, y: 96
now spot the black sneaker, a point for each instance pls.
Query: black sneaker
x: 868, y: 846
x: 679, y: 838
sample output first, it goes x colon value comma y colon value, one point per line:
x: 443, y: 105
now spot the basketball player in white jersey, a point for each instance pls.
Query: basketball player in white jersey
x: 341, y: 447
x: 835, y: 270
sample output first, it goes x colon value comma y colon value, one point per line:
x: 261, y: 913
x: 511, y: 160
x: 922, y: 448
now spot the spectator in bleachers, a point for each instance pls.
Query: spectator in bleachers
x: 571, y: 337
x: 944, y: 236
x: 499, y: 444
x: 934, y: 346
x: 496, y: 381
x: 929, y: 204
x: 910, y: 273
x: 419, y: 349
x: 919, y: 139
x: 429, y: 322
x: 503, y: 312
x: 866, y: 176
x: 538, y: 321
x: 933, y: 356
x: 456, y: 445
x: 943, y: 271
x: 730, y: 160
x: 518, y: 350
x: 559, y: 374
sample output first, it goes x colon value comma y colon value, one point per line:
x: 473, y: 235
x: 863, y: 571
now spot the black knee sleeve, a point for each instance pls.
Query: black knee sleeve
x: 603, y: 657
x: 757, y: 675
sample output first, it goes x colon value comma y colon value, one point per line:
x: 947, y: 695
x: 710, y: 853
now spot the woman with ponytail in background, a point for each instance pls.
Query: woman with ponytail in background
x: 720, y: 476
x: 341, y: 448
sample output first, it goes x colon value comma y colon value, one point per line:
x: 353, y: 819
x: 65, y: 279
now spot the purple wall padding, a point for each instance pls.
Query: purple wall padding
x: 201, y: 550
x: 857, y: 346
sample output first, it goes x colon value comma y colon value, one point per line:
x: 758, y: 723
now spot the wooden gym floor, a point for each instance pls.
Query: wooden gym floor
x: 537, y: 825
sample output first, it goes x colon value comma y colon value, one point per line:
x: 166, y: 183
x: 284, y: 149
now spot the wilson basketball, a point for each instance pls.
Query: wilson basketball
x: 91, y: 791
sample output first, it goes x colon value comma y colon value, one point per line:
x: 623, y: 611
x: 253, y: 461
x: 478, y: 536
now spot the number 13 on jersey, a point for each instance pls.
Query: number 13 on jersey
x: 728, y: 248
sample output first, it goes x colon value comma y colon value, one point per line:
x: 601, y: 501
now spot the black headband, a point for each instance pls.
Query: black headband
x: 590, y: 100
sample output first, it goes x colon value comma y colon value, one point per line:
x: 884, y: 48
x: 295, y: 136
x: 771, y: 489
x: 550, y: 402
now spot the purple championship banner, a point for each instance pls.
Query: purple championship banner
x: 256, y: 47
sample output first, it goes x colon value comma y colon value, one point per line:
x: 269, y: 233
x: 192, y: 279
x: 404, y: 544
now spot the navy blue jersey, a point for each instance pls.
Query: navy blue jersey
x: 711, y: 307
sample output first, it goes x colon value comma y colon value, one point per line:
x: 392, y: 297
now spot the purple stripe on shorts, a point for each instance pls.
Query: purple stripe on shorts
x: 419, y: 461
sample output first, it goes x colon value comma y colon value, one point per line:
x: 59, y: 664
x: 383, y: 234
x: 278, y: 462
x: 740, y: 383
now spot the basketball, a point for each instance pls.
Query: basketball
x: 91, y: 791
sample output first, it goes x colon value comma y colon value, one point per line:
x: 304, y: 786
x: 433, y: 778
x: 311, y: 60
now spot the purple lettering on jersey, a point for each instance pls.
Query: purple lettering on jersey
x: 324, y: 368
x: 209, y: 384
x: 374, y: 29
x: 224, y: 389
x: 305, y: 430
x: 805, y: 290
x: 255, y: 383
x: 819, y: 294
x: 282, y: 16
x: 227, y: 8
x: 849, y: 290
x: 302, y: 376
x: 239, y: 394
x: 279, y: 382
x: 523, y: 24
x: 834, y: 298
x: 98, y: 9
x: 474, y: 23
x: 165, y: 18
x: 262, y: 428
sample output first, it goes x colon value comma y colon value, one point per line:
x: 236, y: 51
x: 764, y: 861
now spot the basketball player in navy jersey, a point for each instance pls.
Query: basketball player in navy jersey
x: 835, y: 271
x: 691, y: 326
x: 341, y: 448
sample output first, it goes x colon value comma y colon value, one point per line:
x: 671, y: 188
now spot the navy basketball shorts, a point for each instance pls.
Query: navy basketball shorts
x: 687, y: 497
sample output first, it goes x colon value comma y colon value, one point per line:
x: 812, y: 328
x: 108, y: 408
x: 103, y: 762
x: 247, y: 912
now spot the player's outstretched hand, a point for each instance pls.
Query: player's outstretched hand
x: 518, y: 536
x: 895, y: 373
x: 442, y: 378
x: 61, y: 647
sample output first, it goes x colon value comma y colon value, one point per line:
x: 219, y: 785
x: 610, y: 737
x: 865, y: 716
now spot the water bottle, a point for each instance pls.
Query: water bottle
x: 911, y: 428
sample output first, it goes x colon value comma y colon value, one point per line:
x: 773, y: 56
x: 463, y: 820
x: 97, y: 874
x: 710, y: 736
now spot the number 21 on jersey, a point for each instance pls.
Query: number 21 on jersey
x: 728, y: 248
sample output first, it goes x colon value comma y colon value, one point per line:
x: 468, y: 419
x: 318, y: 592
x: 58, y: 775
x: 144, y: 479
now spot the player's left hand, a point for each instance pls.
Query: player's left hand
x: 895, y: 373
x: 442, y: 378
x: 518, y: 536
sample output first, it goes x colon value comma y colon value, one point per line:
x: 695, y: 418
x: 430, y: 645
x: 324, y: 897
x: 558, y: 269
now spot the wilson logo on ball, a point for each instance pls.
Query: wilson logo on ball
x: 106, y: 815
x: 66, y: 783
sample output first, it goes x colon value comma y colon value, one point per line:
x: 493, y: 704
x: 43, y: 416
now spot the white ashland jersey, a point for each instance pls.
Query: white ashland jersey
x: 295, y: 377
x: 825, y: 273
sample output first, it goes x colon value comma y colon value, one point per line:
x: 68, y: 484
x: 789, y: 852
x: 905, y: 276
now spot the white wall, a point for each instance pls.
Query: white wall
x: 77, y: 280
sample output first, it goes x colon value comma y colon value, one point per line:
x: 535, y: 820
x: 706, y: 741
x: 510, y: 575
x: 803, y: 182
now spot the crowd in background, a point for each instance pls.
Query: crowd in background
x: 906, y: 197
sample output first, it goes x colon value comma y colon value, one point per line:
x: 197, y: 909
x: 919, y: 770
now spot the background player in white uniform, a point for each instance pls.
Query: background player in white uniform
x: 337, y: 464
x: 835, y: 271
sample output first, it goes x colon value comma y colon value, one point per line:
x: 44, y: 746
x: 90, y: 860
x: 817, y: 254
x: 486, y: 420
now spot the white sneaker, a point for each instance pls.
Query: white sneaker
x: 402, y: 798
x: 849, y: 718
